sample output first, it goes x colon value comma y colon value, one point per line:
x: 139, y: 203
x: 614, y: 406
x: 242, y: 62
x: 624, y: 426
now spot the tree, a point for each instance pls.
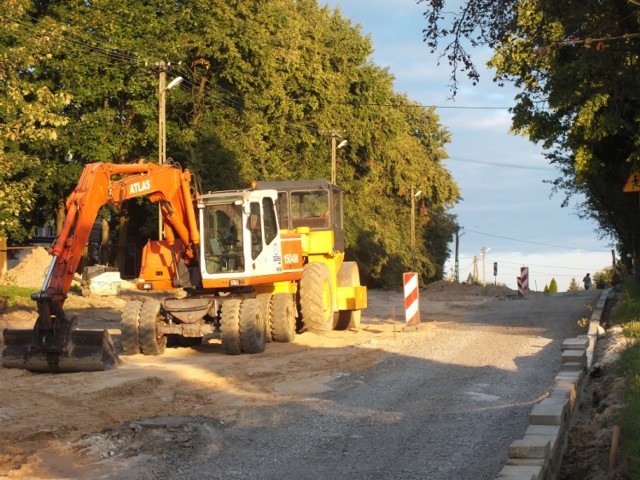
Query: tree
x: 573, y: 286
x: 266, y: 84
x: 553, y: 286
x: 575, y: 63
x: 30, y: 114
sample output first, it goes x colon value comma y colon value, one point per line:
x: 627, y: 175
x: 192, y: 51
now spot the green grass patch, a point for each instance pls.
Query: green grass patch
x: 628, y: 316
x: 629, y: 310
x: 16, y: 295
x: 630, y: 416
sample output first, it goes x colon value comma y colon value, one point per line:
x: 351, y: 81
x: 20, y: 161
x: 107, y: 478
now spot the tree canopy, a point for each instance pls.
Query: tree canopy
x: 266, y: 85
x: 576, y: 65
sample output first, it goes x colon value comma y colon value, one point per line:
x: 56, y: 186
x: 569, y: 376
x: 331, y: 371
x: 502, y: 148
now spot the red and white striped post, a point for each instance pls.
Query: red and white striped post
x: 523, y: 280
x: 411, y: 304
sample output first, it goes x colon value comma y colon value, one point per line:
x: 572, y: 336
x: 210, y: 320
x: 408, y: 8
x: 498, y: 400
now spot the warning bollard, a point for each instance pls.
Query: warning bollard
x: 411, y: 305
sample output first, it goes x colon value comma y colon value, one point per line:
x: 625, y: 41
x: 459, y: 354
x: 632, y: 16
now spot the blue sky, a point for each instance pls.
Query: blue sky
x: 507, y: 210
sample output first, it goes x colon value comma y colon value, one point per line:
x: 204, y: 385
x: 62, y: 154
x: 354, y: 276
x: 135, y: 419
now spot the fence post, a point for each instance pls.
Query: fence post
x: 3, y: 256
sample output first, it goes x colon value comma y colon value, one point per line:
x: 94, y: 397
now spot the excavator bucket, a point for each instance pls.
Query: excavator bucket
x: 59, y: 350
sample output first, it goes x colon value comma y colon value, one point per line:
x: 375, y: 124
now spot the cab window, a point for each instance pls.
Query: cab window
x: 254, y: 226
x: 270, y: 223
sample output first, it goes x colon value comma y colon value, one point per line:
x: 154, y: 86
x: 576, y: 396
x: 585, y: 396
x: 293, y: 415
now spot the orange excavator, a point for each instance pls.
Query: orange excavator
x: 55, y: 344
x: 257, y: 265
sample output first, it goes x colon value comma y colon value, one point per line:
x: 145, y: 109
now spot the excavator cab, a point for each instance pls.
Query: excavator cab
x: 241, y: 245
x: 315, y: 204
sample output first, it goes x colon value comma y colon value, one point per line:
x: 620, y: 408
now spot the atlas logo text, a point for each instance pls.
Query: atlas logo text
x: 139, y: 187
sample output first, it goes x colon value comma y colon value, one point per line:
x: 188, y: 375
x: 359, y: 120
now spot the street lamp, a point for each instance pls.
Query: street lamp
x: 414, y: 195
x: 162, y: 111
x: 162, y: 125
x: 335, y: 146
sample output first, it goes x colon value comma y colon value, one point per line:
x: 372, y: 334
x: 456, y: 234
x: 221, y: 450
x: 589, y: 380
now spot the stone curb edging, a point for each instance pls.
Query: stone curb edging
x: 538, y: 455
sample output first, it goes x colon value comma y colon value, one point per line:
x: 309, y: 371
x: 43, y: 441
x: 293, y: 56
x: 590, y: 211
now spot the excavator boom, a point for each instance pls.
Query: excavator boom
x: 54, y: 344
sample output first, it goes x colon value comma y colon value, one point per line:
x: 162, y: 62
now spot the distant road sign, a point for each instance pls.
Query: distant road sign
x: 633, y: 183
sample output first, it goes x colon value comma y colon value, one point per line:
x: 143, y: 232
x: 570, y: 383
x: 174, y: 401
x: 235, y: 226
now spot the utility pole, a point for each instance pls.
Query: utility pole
x: 162, y: 114
x: 334, y: 137
x: 162, y: 134
x: 335, y: 134
x: 475, y: 269
x: 414, y: 194
x: 484, y: 252
x: 456, y: 265
x: 413, y: 229
x: 162, y: 123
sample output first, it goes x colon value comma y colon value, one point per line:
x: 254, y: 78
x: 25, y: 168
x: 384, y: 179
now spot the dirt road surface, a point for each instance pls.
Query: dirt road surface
x: 442, y: 402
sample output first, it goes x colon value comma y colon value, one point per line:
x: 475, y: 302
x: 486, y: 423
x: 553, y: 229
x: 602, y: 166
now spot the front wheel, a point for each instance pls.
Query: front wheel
x: 129, y: 327
x: 230, y: 326
x: 151, y: 343
x: 316, y: 298
x: 283, y: 318
x: 253, y: 328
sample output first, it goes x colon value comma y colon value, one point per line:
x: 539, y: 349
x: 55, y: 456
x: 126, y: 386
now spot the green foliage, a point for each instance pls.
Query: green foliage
x: 628, y: 314
x: 577, y: 95
x: 553, y: 286
x: 30, y: 114
x: 629, y: 309
x: 545, y: 289
x: 573, y: 286
x: 630, y: 416
x: 609, y: 276
x: 266, y: 83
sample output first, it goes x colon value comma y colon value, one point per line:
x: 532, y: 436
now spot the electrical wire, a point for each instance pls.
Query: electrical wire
x: 529, y: 241
x: 500, y: 164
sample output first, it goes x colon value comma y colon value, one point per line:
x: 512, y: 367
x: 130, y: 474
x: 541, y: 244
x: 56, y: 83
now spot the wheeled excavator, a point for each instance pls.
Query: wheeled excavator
x: 257, y: 265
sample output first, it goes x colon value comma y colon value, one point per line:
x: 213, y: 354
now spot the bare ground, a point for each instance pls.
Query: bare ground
x: 589, y: 452
x: 175, y: 410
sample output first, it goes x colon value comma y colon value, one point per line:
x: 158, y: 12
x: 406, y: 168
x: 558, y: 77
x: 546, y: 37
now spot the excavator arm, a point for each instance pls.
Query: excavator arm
x: 54, y: 344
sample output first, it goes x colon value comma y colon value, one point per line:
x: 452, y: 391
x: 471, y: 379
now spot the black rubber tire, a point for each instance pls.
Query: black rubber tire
x: 283, y: 318
x: 230, y: 326
x: 316, y: 298
x: 129, y: 325
x: 253, y: 328
x: 150, y: 342
x: 266, y: 300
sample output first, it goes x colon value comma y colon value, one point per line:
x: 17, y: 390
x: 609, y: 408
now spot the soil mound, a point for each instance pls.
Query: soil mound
x: 454, y: 288
x: 30, y: 270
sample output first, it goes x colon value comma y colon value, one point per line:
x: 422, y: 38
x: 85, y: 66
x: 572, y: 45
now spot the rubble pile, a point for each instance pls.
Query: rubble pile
x: 30, y: 270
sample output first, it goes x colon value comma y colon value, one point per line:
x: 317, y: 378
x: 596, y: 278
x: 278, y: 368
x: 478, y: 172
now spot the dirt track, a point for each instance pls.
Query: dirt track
x: 378, y: 403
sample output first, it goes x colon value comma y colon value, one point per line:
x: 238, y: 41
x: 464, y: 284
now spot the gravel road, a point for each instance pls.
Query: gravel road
x: 445, y: 404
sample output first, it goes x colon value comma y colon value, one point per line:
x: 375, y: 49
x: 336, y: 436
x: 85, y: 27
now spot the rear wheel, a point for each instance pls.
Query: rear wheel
x: 230, y: 326
x: 129, y: 325
x: 283, y: 318
x: 253, y: 329
x: 151, y: 343
x: 316, y: 298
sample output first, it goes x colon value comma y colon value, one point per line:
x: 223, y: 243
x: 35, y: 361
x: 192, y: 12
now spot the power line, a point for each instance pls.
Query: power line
x: 419, y: 105
x: 500, y: 164
x: 529, y: 241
